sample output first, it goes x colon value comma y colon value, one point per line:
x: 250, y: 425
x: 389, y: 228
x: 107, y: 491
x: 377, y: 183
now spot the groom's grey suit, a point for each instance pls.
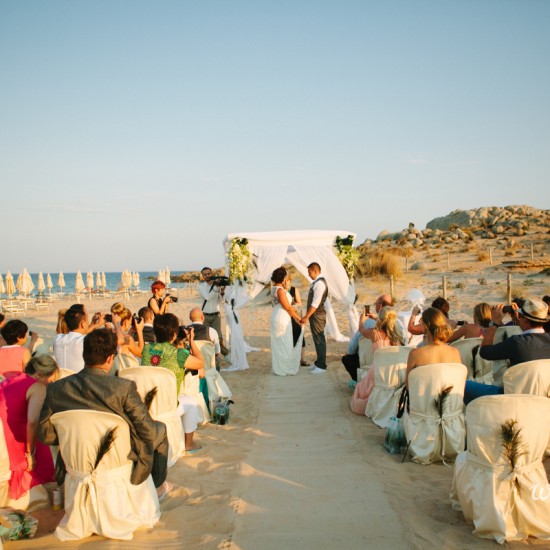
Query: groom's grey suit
x: 94, y: 389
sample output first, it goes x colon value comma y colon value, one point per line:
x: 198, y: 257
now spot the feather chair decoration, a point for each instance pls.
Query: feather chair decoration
x: 105, y: 445
x: 151, y: 394
x: 441, y: 398
x: 512, y: 443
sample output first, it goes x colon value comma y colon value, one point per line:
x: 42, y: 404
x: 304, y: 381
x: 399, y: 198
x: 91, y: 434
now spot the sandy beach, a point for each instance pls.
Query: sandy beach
x: 294, y: 468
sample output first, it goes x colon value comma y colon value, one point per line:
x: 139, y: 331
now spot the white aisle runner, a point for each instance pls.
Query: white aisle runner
x: 305, y: 483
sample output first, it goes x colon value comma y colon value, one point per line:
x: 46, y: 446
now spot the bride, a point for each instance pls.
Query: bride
x: 285, y: 355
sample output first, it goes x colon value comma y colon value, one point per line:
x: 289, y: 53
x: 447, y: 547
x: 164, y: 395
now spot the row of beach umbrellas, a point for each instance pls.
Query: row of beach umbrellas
x: 164, y: 276
x: 25, y: 286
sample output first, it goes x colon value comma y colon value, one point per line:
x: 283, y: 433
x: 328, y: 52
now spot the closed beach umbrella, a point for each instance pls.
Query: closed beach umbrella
x: 61, y: 280
x: 19, y: 281
x: 167, y: 280
x: 41, y: 287
x: 98, y: 279
x: 135, y: 279
x: 10, y: 286
x: 24, y: 283
x: 49, y: 283
x: 29, y: 280
x: 90, y: 280
x: 103, y: 280
x: 126, y: 279
x: 79, y: 283
x: 160, y: 276
x: 2, y: 287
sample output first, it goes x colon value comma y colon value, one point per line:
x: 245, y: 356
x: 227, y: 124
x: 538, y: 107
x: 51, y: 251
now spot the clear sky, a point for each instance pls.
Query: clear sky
x: 137, y: 134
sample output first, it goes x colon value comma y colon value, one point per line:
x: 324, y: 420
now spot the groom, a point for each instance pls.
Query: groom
x: 317, y: 316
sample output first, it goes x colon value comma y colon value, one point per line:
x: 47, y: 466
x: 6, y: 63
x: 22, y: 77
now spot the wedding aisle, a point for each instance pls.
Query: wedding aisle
x: 306, y: 483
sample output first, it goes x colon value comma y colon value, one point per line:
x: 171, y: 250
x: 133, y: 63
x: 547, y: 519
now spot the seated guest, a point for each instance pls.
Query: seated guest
x: 129, y: 351
x: 440, y: 304
x: 93, y: 389
x: 533, y: 343
x: 67, y: 348
x: 435, y: 349
x: 351, y: 359
x: 163, y: 353
x: 387, y: 332
x: 61, y: 327
x: 146, y: 313
x: 13, y: 355
x: 203, y: 332
x: 21, y: 399
x: 477, y: 329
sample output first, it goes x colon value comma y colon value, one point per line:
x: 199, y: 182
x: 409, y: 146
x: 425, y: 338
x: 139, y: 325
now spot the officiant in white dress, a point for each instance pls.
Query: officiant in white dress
x: 284, y: 352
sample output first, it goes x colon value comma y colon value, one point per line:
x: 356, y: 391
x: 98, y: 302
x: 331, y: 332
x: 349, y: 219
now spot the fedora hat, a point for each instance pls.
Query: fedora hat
x: 535, y: 310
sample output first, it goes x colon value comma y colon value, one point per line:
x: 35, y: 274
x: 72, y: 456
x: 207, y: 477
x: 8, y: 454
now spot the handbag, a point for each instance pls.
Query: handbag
x: 396, y: 440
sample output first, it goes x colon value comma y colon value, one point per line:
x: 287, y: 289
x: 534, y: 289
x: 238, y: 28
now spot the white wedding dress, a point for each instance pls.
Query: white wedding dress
x: 285, y: 356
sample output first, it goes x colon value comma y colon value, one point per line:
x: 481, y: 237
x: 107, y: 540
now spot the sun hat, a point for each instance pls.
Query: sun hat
x: 535, y: 310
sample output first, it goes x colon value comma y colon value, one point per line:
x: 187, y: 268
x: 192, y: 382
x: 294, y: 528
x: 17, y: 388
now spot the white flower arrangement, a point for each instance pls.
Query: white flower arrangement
x: 347, y: 254
x: 239, y: 261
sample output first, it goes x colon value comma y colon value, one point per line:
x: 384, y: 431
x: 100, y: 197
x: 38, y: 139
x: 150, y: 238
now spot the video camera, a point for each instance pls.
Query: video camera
x: 220, y: 280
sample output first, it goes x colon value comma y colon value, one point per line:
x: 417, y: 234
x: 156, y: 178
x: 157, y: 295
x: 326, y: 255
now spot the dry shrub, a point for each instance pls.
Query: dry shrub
x: 382, y: 262
x: 482, y: 256
x: 510, y: 253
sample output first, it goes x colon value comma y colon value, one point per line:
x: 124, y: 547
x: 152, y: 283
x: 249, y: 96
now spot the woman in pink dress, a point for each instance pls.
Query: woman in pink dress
x: 387, y: 332
x: 21, y: 399
x: 14, y: 356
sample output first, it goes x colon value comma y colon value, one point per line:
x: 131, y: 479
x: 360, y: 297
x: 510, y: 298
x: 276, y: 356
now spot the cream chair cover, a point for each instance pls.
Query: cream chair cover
x: 499, y: 367
x: 531, y: 377
x: 217, y: 387
x: 365, y: 352
x: 164, y: 406
x: 485, y: 487
x: 101, y: 501
x: 191, y: 387
x: 433, y: 438
x: 63, y: 373
x: 390, y: 366
x: 465, y: 348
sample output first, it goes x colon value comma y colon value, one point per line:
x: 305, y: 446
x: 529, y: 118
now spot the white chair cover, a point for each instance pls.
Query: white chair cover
x: 502, y: 503
x: 465, y: 348
x: 531, y: 377
x: 191, y: 387
x: 499, y: 367
x: 390, y: 367
x: 365, y: 352
x: 125, y: 361
x: 217, y: 387
x: 101, y: 501
x: 63, y: 373
x: 164, y: 406
x: 432, y: 437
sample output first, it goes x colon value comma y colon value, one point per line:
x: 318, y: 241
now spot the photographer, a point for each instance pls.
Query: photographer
x: 212, y: 293
x: 159, y: 301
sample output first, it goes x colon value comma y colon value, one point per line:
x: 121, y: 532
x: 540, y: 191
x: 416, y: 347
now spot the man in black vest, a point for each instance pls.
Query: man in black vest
x: 317, y: 316
x: 204, y: 332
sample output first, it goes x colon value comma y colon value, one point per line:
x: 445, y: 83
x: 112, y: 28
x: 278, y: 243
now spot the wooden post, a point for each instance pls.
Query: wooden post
x: 444, y: 286
x: 509, y: 289
x: 448, y: 260
x: 532, y: 252
x: 391, y: 286
x: 406, y: 263
x: 491, y: 254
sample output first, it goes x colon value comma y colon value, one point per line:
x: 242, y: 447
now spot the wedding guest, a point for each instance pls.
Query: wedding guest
x: 212, y: 296
x: 146, y: 313
x: 14, y: 355
x: 128, y: 349
x: 203, y: 332
x: 61, y: 327
x: 159, y: 302
x: 21, y: 399
x: 477, y: 329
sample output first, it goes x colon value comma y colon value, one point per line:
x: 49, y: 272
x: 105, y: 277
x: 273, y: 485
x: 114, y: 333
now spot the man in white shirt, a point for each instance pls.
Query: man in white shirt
x: 212, y: 296
x: 317, y: 316
x: 68, y: 348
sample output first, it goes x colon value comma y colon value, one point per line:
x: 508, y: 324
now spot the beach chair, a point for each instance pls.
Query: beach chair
x: 164, y: 406
x: 434, y: 427
x: 467, y: 350
x: 390, y: 367
x: 99, y: 498
x: 505, y: 496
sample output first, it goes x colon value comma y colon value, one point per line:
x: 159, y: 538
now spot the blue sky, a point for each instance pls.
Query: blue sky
x: 137, y: 134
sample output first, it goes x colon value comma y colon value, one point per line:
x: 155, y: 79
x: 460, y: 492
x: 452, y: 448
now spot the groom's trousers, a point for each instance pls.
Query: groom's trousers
x: 317, y: 324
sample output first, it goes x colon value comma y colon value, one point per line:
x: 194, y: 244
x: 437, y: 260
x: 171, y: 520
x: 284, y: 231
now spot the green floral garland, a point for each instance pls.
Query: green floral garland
x: 239, y: 261
x: 347, y: 254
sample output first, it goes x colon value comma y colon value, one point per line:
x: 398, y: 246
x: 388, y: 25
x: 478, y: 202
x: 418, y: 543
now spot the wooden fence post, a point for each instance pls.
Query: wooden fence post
x: 444, y: 286
x: 509, y: 289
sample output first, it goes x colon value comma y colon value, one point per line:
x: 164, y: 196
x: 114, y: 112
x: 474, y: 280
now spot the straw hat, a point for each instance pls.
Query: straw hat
x: 535, y: 310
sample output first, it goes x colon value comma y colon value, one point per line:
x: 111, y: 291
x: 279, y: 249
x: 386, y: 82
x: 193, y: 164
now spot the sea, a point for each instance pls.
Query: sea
x: 112, y: 280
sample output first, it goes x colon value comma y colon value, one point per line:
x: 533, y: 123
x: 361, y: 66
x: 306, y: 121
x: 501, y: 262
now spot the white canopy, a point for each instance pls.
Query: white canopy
x: 272, y: 249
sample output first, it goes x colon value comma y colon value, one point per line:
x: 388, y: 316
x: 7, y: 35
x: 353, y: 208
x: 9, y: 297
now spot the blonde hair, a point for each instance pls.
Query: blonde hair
x: 117, y: 308
x: 436, y: 324
x: 61, y: 327
x: 482, y: 314
x: 42, y: 365
x: 387, y: 322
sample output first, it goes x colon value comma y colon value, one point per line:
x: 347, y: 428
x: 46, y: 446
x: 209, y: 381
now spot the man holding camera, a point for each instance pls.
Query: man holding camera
x: 212, y: 294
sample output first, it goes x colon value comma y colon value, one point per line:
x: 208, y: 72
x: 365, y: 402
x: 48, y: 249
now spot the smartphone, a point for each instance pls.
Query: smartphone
x: 108, y: 318
x: 367, y: 310
x: 136, y: 319
x: 508, y: 309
